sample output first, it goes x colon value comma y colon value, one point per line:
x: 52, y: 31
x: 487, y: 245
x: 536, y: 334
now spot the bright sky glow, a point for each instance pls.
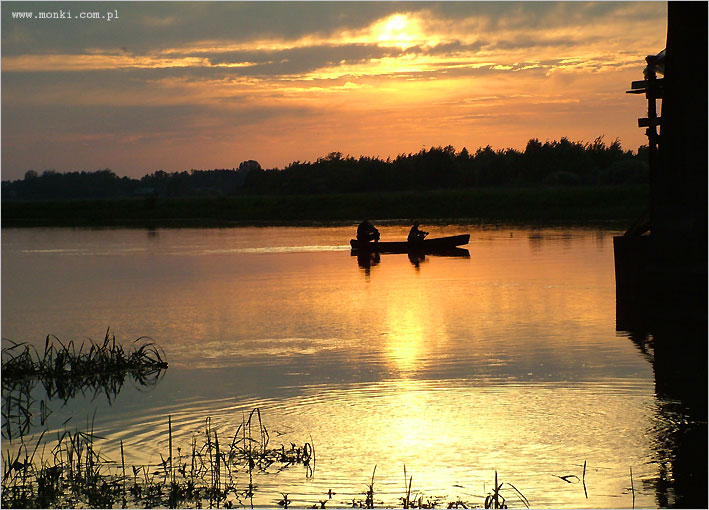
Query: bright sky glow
x: 184, y: 85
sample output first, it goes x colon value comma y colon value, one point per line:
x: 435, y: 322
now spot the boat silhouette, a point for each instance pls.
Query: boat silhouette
x: 433, y: 246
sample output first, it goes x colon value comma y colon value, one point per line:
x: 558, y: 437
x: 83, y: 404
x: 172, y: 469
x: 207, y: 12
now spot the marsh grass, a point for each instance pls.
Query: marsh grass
x: 65, y: 370
x: 63, y: 367
x: 406, y: 500
x: 369, y: 495
x: 74, y: 473
x: 212, y: 473
x: 496, y: 500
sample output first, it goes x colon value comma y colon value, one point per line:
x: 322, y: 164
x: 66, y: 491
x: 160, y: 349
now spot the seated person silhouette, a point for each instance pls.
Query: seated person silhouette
x: 366, y: 232
x: 416, y: 235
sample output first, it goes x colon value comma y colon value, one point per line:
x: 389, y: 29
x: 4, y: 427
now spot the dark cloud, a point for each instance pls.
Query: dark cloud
x: 546, y: 15
x: 303, y: 59
x: 148, y: 26
x: 83, y: 88
x: 144, y: 27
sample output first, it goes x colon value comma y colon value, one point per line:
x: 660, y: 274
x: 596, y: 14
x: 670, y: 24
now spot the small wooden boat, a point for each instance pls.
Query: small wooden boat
x: 435, y: 245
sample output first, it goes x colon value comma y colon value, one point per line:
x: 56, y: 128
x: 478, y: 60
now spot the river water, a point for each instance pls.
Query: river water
x: 505, y: 360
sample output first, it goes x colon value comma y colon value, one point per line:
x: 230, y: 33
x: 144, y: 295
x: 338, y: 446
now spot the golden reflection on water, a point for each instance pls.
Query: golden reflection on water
x: 407, y: 330
x: 456, y: 367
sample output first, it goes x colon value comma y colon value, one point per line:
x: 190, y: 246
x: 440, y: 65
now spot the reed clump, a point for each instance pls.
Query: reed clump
x: 64, y: 366
x: 208, y: 474
x: 211, y: 472
x: 67, y: 370
x: 496, y: 500
x: 74, y: 474
x: 493, y: 499
x: 417, y: 501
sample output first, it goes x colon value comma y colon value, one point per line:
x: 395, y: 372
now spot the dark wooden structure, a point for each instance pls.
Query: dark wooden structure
x: 661, y: 261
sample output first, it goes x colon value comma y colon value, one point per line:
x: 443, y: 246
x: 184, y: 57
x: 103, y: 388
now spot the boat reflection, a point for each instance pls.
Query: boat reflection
x: 416, y: 258
x: 367, y: 260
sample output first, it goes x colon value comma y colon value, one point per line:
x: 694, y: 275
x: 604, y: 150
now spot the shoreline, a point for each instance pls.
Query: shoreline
x: 613, y: 206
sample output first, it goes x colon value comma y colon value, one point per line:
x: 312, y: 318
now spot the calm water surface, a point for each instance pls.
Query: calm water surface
x: 505, y: 360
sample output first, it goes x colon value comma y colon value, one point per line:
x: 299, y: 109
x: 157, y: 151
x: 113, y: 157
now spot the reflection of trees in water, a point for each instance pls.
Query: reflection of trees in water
x: 678, y: 356
x: 63, y: 372
x: 566, y: 239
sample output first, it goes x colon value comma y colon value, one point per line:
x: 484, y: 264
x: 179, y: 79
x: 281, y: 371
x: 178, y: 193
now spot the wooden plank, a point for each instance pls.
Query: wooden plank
x: 645, y: 122
x: 656, y: 94
x: 644, y: 83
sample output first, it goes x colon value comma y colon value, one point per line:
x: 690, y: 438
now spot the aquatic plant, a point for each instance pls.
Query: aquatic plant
x: 62, y: 367
x: 406, y: 500
x: 369, y: 495
x: 497, y: 500
x: 65, y: 371
x: 75, y: 473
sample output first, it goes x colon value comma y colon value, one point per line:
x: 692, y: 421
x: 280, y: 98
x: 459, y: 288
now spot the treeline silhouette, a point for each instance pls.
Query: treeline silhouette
x: 552, y: 163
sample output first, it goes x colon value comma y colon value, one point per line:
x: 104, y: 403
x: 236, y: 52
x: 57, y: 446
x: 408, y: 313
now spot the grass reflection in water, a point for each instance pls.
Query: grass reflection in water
x: 65, y: 371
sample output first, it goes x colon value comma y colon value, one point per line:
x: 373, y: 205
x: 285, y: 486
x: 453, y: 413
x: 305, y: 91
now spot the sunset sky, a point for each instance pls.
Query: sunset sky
x: 182, y: 85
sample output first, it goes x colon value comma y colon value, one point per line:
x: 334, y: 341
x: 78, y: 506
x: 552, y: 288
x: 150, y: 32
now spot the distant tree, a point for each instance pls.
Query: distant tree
x: 643, y: 153
x: 248, y: 166
x: 562, y: 162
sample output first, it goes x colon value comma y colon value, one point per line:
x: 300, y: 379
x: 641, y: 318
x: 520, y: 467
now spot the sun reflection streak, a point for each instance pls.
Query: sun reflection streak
x: 405, y: 341
x: 412, y: 322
